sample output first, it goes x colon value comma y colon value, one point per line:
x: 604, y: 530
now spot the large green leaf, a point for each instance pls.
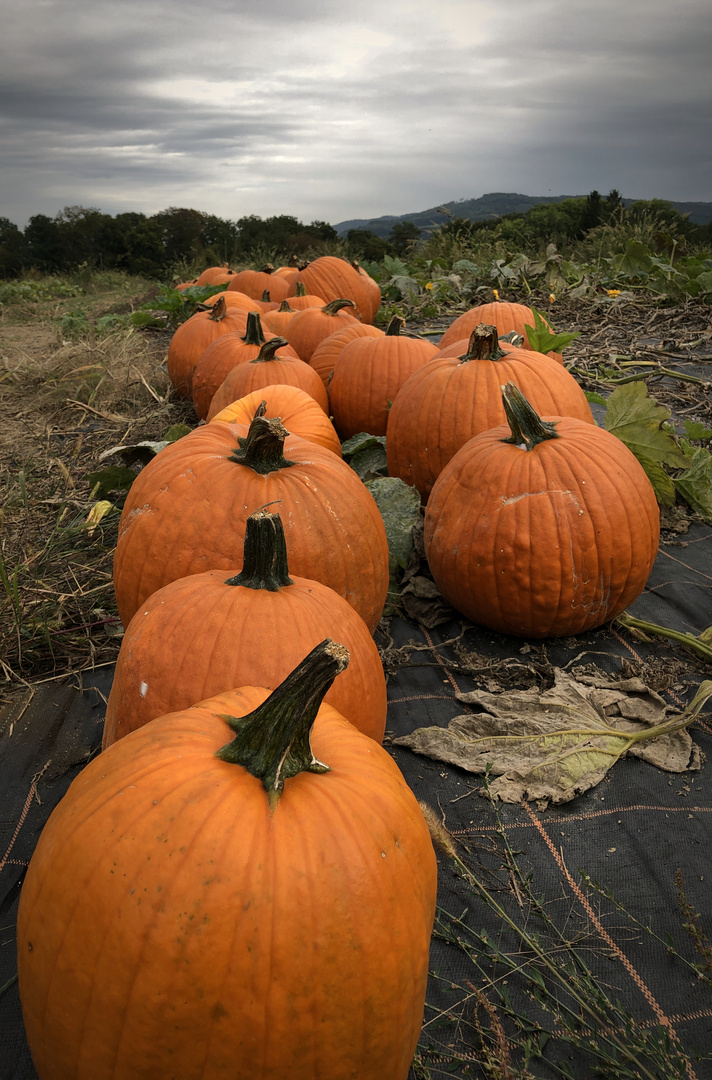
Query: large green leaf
x: 636, y: 420
x: 400, y: 509
x: 695, y: 484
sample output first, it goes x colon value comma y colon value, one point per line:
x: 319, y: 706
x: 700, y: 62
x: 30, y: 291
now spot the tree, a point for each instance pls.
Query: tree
x: 12, y: 249
x: 403, y: 235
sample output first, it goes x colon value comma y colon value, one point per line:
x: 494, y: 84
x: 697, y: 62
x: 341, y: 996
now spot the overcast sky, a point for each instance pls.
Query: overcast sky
x: 329, y: 110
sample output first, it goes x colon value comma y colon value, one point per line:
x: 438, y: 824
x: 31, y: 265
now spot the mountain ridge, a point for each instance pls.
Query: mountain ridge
x: 492, y: 205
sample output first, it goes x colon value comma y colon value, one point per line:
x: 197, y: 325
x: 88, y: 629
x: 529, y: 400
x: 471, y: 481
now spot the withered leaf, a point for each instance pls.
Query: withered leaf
x: 550, y: 746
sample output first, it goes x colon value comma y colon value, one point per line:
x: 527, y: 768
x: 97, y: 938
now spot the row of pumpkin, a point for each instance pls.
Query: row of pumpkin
x: 187, y: 912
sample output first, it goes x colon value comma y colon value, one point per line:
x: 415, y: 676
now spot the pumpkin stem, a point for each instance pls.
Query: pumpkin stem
x: 219, y: 310
x: 253, y: 331
x: 263, y: 448
x: 395, y: 326
x: 273, y: 742
x: 284, y: 306
x: 301, y: 289
x: 527, y: 427
x: 266, y: 297
x: 268, y: 350
x: 334, y: 306
x: 483, y: 345
x: 268, y: 268
x: 264, y: 562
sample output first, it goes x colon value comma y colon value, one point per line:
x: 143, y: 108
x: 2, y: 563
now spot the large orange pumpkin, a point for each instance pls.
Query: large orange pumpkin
x: 228, y: 352
x: 368, y: 375
x: 331, y: 277
x: 309, y: 327
x: 503, y: 314
x: 255, y: 282
x: 297, y: 409
x: 192, y: 338
x: 206, y: 633
x: 324, y: 357
x: 266, y: 369
x: 245, y: 910
x: 453, y: 398
x: 186, y: 513
x: 541, y: 529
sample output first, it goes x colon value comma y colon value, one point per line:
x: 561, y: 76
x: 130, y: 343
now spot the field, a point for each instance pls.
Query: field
x: 77, y: 380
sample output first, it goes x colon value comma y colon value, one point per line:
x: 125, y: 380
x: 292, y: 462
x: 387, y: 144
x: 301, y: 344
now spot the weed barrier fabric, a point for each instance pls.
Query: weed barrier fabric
x: 645, y: 836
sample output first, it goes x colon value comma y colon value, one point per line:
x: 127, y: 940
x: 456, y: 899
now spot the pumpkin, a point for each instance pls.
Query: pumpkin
x: 206, y: 633
x: 240, y: 910
x: 265, y: 370
x: 541, y: 529
x: 215, y: 275
x: 324, y: 357
x: 298, y: 411
x: 453, y: 398
x: 186, y: 511
x: 232, y: 300
x: 503, y: 314
x: 192, y: 338
x: 255, y: 282
x: 302, y: 299
x: 226, y: 353
x: 368, y: 374
x: 332, y: 278
x: 309, y: 327
x: 278, y: 321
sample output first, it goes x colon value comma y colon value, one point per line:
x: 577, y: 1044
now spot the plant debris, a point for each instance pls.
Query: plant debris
x: 550, y: 747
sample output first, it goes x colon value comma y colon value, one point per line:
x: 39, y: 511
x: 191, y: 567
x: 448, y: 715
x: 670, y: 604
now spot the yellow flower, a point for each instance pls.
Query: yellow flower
x: 430, y: 285
x: 613, y: 292
x: 496, y: 294
x: 552, y: 297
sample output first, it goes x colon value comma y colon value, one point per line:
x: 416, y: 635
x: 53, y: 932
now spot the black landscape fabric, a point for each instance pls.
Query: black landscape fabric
x: 642, y: 834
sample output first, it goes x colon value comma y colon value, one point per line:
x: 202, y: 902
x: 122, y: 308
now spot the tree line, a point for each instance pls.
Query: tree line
x: 151, y: 246
x: 176, y: 240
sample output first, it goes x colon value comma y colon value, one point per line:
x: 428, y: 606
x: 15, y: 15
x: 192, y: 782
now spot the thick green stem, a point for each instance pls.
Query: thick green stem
x: 395, y: 326
x: 335, y: 306
x: 688, y: 640
x: 273, y: 742
x: 264, y: 562
x: 527, y: 427
x: 268, y: 350
x: 253, y: 332
x: 263, y: 449
x: 483, y: 345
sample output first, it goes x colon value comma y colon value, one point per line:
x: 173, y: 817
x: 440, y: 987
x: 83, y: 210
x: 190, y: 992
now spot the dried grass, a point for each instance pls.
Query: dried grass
x: 61, y: 404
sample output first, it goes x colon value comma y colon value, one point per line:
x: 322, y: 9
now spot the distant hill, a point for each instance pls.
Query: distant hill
x: 493, y: 205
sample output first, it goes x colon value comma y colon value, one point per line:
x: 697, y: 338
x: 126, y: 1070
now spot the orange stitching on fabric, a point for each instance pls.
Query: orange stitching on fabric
x: 647, y: 994
x: 25, y: 811
x: 681, y: 563
x: 439, y: 659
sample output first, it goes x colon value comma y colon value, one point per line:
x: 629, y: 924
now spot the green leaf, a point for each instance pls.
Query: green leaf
x: 596, y: 398
x: 113, y: 478
x: 175, y: 432
x: 399, y: 505
x: 695, y: 484
x: 661, y: 482
x: 636, y: 420
x: 145, y: 318
x: 697, y: 431
x: 634, y: 261
x: 366, y: 454
x: 704, y: 281
x: 542, y: 338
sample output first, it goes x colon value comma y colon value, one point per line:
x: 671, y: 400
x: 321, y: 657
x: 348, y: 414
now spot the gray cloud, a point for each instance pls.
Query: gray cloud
x: 327, y: 110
